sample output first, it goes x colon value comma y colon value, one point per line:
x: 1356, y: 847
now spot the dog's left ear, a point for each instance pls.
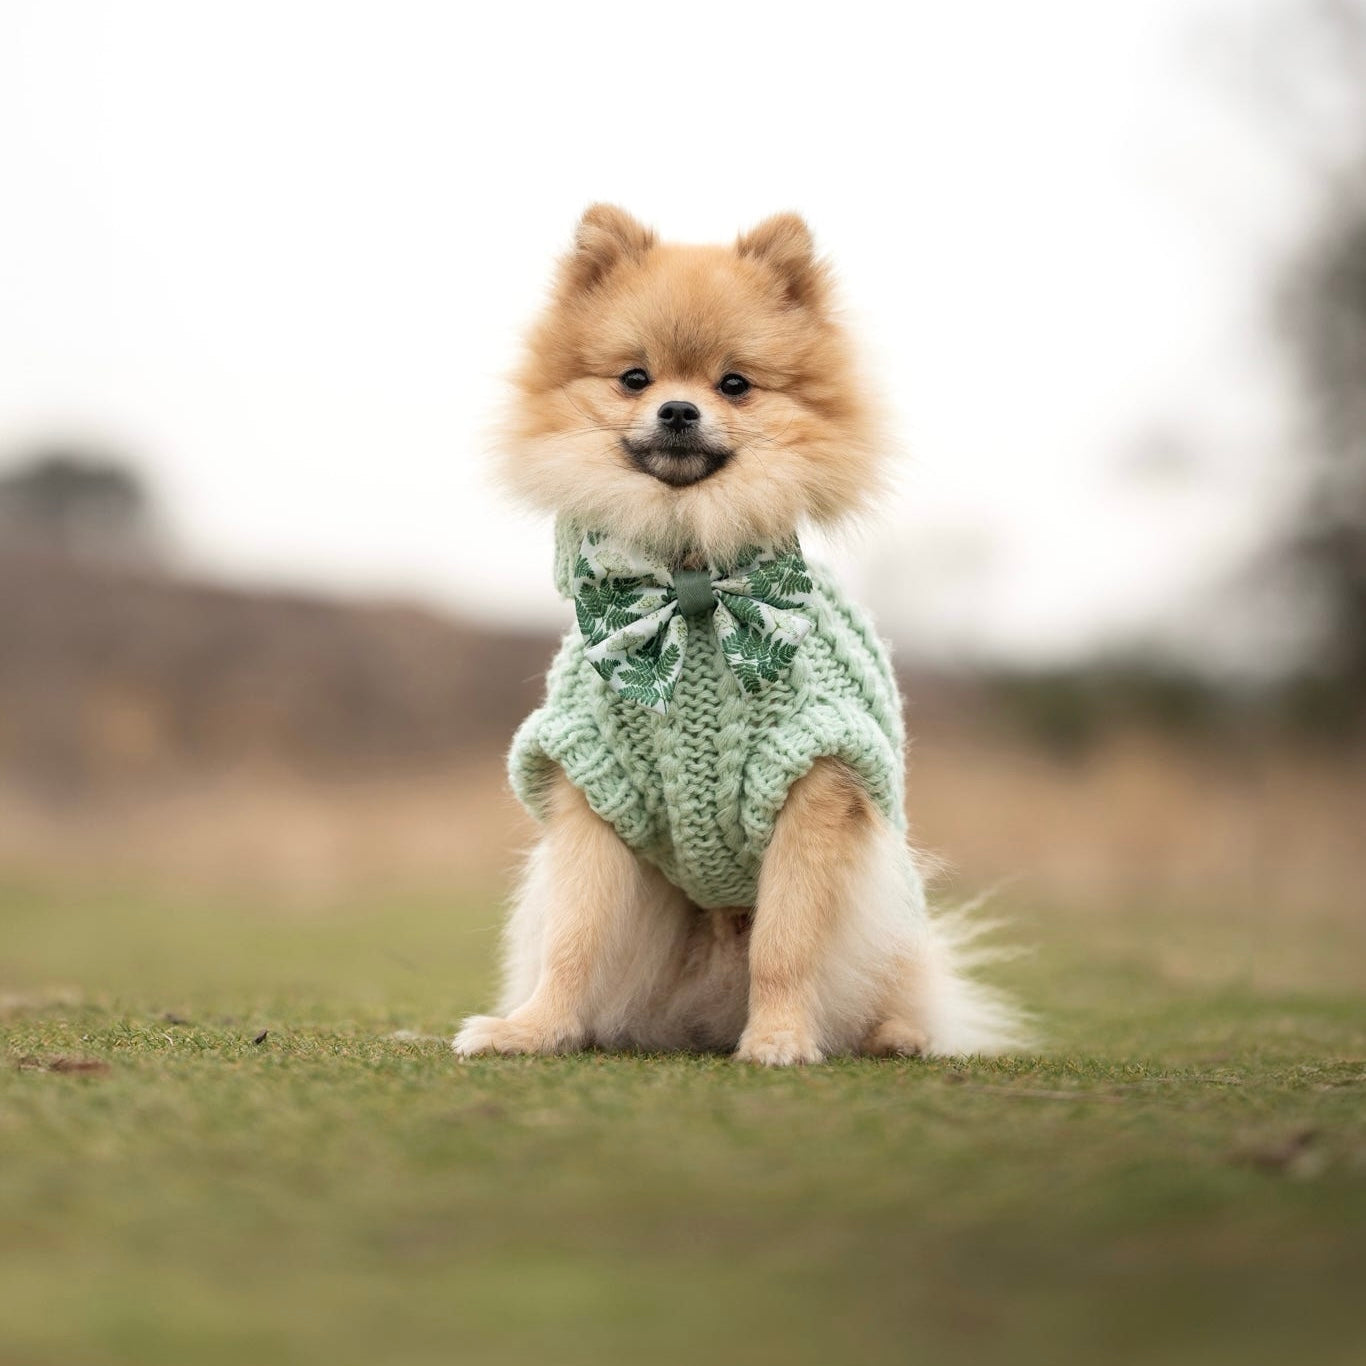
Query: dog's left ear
x: 784, y: 244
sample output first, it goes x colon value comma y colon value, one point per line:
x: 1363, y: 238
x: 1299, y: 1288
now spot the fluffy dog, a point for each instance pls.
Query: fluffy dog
x: 718, y: 763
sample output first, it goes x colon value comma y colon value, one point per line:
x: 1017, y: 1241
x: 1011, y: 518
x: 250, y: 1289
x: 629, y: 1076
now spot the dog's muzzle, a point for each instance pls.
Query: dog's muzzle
x: 677, y: 463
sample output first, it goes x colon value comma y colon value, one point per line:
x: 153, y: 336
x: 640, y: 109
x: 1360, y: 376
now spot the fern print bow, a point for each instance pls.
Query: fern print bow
x: 634, y: 615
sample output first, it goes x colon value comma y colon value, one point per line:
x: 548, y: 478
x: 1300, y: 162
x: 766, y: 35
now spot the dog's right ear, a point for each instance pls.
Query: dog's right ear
x: 783, y: 243
x: 606, y: 235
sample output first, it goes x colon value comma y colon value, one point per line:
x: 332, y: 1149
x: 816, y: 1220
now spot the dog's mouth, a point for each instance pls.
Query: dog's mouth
x: 676, y: 463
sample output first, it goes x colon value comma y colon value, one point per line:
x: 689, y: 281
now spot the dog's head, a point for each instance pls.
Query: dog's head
x: 691, y: 399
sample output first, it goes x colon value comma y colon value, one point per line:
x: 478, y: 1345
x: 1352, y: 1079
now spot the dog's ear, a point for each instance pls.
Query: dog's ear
x: 783, y: 243
x: 606, y: 235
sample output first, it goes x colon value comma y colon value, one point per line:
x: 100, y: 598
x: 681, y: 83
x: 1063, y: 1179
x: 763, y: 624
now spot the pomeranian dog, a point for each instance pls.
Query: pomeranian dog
x: 718, y: 763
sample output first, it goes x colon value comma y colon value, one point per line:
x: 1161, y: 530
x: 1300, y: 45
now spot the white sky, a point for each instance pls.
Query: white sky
x: 280, y: 253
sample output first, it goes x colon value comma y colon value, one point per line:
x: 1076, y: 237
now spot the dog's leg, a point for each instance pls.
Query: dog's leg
x: 813, y: 873
x: 570, y: 929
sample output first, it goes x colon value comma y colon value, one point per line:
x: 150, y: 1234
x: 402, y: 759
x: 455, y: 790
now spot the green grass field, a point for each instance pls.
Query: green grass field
x: 1179, y: 1177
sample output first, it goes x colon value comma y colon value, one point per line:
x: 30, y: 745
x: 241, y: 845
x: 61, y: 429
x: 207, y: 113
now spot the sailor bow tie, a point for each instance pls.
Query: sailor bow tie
x: 634, y: 614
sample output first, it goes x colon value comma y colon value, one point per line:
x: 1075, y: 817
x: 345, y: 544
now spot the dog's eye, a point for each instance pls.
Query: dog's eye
x: 635, y: 380
x: 733, y: 385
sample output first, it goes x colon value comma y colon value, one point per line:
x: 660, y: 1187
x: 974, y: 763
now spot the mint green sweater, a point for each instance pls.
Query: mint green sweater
x: 696, y: 792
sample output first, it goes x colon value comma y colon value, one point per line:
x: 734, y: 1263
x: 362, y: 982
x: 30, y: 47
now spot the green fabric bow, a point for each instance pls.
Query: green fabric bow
x: 634, y: 616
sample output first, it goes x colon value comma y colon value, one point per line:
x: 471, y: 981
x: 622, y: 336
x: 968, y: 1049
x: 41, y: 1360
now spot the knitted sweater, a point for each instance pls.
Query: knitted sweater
x: 696, y: 792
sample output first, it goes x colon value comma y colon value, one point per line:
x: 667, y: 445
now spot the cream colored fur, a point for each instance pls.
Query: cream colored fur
x: 841, y: 956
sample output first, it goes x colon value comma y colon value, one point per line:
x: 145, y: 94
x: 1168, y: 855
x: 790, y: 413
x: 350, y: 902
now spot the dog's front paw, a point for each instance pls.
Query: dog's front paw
x: 777, y: 1047
x: 490, y: 1034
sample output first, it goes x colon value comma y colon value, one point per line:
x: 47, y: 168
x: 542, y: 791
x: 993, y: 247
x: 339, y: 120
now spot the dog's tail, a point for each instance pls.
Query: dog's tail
x: 957, y: 1012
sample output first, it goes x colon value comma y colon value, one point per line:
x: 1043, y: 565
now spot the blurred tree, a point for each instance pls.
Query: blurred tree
x: 1324, y: 321
x: 73, y: 502
x: 1327, y: 325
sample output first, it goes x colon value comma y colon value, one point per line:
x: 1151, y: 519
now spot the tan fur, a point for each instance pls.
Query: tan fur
x: 807, y: 440
x: 591, y: 885
x: 839, y: 954
x: 602, y: 950
x: 809, y: 872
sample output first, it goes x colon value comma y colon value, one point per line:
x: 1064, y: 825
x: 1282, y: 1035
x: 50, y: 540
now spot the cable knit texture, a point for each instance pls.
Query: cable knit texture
x: 696, y: 792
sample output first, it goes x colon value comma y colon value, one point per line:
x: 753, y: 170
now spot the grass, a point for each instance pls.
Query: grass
x: 251, y: 1167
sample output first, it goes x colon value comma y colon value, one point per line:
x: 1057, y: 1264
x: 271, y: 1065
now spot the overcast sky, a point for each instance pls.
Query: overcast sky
x: 280, y: 254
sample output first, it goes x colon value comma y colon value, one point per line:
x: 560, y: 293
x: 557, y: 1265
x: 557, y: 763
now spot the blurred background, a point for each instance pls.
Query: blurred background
x: 265, y: 627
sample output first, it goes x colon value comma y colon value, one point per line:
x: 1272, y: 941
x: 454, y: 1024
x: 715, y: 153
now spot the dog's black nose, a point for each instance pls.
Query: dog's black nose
x: 678, y: 416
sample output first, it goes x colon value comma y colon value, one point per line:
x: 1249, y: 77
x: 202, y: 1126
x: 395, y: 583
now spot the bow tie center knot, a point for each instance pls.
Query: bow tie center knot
x: 694, y: 592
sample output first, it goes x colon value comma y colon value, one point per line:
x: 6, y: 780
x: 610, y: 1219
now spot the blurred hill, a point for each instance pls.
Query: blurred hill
x: 153, y: 728
x: 111, y: 678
